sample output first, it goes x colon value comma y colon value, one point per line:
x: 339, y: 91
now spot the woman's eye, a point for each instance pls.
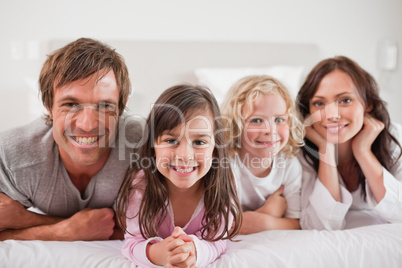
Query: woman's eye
x: 345, y: 100
x: 318, y: 104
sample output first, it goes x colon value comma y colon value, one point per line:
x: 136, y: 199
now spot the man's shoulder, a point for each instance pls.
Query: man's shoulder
x: 19, y: 144
x: 131, y: 129
x: 36, y: 125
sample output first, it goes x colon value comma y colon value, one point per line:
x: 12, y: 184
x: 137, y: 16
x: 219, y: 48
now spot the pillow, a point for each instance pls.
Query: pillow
x: 219, y: 80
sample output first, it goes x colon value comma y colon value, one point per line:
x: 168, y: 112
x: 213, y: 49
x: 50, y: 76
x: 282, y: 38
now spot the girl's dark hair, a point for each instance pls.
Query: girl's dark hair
x: 368, y: 91
x: 173, y: 107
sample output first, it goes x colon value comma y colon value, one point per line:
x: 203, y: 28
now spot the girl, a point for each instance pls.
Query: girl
x: 352, y: 170
x: 264, y: 136
x: 178, y: 199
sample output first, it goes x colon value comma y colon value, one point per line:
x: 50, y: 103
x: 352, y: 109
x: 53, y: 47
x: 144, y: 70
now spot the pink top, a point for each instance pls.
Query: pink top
x: 135, y: 245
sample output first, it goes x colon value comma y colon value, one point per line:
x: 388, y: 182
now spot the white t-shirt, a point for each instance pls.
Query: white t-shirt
x: 321, y: 211
x: 253, y: 191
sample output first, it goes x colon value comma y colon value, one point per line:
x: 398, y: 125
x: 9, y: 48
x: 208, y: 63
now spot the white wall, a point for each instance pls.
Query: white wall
x: 349, y: 27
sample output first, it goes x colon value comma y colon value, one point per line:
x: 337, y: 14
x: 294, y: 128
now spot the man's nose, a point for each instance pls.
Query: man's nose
x: 87, y: 118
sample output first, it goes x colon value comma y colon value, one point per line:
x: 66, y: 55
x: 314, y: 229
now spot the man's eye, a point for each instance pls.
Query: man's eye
x: 106, y: 107
x: 72, y: 105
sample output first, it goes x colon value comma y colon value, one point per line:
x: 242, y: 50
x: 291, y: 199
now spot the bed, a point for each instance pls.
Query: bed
x: 371, y: 246
x: 155, y: 66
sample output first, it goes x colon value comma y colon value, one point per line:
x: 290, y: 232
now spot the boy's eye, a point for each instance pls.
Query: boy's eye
x: 256, y: 120
x: 281, y: 119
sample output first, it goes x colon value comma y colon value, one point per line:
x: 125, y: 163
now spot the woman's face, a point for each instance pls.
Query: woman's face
x: 336, y: 108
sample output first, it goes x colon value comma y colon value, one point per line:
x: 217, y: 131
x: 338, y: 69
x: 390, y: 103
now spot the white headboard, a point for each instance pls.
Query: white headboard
x: 157, y: 65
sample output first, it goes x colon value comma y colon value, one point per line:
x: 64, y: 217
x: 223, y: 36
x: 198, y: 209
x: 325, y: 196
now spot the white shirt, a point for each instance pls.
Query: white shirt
x: 253, y: 191
x: 321, y: 211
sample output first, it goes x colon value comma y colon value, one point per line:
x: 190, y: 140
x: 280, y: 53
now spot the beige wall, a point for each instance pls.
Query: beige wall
x: 350, y: 27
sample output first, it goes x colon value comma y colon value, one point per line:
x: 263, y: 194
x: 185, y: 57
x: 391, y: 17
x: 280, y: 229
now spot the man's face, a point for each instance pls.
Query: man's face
x: 85, y: 116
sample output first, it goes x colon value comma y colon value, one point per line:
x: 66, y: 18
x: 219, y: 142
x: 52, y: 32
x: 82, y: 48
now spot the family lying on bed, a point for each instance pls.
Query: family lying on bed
x: 196, y: 174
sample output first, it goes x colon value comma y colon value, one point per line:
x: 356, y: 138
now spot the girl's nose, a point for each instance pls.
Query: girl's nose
x: 184, y: 152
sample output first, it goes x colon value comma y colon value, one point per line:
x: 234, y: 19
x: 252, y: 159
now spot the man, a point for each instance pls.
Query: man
x: 69, y: 166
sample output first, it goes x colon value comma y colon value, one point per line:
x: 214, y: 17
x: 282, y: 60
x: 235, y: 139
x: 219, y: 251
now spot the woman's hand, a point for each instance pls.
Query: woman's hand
x: 361, y: 143
x: 315, y: 137
x: 311, y: 133
x: 368, y: 162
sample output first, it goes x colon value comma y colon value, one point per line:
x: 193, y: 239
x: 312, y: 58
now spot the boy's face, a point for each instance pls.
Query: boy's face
x: 85, y: 116
x: 266, y: 129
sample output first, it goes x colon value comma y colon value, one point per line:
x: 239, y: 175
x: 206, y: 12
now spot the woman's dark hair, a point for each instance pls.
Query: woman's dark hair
x: 368, y: 91
x: 174, y: 106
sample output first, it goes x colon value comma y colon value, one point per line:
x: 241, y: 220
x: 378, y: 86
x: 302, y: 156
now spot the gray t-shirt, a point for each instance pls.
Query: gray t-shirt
x: 32, y: 173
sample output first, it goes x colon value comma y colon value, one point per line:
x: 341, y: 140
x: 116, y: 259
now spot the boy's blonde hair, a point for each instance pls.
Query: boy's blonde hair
x: 246, y: 91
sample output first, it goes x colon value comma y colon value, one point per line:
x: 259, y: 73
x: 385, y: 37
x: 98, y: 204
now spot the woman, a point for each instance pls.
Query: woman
x: 352, y: 172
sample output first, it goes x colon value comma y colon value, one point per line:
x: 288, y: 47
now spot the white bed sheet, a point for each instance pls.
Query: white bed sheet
x: 370, y: 246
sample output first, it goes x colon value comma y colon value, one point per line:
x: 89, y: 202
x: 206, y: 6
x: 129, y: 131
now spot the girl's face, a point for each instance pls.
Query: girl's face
x: 184, y: 154
x: 337, y: 108
x: 266, y: 130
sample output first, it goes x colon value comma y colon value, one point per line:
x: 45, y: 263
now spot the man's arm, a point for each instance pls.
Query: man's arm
x: 20, y: 224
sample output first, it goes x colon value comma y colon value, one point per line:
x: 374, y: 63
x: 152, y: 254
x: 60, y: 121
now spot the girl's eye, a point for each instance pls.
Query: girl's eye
x: 199, y: 143
x: 172, y: 141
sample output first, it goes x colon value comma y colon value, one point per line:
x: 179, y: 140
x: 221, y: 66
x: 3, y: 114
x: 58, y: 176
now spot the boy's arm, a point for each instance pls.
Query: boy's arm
x: 254, y: 222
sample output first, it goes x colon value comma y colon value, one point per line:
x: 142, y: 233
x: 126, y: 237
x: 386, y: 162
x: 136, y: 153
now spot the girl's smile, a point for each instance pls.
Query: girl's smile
x: 183, y: 170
